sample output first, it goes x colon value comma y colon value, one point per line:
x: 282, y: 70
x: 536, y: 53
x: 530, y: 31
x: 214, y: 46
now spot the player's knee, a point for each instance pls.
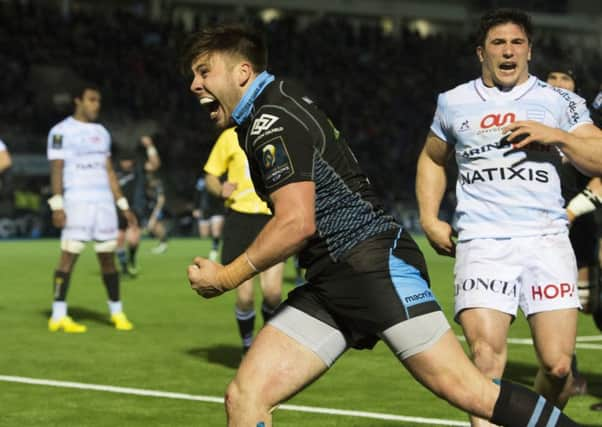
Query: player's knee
x: 73, y: 246
x: 231, y: 398
x: 239, y: 397
x: 272, y: 297
x: 487, y: 357
x: 557, y: 367
x: 106, y: 246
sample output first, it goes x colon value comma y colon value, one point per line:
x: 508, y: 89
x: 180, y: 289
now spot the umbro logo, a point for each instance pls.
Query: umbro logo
x: 263, y: 123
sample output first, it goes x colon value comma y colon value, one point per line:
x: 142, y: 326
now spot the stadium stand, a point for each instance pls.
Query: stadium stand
x: 388, y: 81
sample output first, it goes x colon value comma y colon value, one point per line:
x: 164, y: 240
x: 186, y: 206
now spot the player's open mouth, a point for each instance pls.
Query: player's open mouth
x: 508, y: 66
x: 211, y: 104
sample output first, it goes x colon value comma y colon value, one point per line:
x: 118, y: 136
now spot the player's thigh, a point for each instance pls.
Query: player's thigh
x: 204, y: 228
x: 276, y: 367
x: 445, y: 369
x: 554, y: 334
x: 271, y: 280
x: 244, y: 294
x: 483, y: 326
x: 217, y: 224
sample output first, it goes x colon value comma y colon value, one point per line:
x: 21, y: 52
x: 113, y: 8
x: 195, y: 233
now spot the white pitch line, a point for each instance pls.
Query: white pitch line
x: 582, y: 342
x: 211, y: 399
x: 589, y: 338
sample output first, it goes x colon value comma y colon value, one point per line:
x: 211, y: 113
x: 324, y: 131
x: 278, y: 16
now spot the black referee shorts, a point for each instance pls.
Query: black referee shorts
x: 240, y: 229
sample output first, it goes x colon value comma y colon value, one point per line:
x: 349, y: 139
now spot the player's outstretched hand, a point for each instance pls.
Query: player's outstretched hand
x: 202, y: 275
x: 525, y: 132
x: 439, y: 234
x: 58, y: 218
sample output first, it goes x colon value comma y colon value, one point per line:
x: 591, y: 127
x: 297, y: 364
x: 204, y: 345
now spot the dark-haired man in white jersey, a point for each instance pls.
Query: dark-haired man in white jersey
x: 506, y: 130
x: 85, y: 190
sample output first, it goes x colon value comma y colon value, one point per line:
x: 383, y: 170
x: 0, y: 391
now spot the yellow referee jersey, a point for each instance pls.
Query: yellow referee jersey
x: 227, y: 156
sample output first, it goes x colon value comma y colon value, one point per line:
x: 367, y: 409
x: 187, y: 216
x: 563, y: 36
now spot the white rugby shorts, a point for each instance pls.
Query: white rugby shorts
x: 88, y: 221
x: 537, y: 273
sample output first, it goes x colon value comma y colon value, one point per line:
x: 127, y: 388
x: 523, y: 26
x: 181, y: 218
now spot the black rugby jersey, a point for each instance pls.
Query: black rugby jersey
x: 287, y: 139
x: 132, y: 185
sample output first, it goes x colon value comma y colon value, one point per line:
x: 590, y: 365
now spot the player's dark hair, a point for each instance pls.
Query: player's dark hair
x: 78, y: 89
x: 563, y: 67
x: 503, y: 16
x: 226, y: 38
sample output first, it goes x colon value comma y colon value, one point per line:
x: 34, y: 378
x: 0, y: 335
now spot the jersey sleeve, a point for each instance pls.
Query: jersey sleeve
x: 217, y: 163
x: 574, y: 111
x: 55, y: 144
x: 440, y: 126
x: 285, y: 152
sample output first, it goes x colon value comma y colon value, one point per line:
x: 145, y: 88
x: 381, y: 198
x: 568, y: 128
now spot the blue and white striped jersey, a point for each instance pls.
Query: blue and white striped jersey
x: 501, y: 191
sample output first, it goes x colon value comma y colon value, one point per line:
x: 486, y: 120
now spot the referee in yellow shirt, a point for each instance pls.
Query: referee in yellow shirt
x: 246, y: 215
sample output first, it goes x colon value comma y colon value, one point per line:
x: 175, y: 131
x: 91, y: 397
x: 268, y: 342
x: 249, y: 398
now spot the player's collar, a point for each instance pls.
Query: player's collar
x: 243, y: 109
x: 490, y: 93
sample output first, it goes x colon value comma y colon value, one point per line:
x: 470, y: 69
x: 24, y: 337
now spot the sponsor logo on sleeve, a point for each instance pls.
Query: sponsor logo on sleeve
x: 263, y: 123
x: 274, y: 160
x: 57, y: 141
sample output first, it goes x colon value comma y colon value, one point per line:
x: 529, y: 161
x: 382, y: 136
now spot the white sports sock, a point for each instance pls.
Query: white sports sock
x: 115, y: 307
x: 59, y: 310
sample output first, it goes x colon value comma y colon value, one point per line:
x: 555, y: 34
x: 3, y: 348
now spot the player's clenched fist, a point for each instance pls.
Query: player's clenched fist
x: 203, y: 276
x: 210, y: 279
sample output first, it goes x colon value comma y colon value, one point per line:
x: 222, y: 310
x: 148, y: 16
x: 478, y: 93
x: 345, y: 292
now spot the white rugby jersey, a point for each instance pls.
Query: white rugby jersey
x: 503, y: 192
x: 84, y: 148
x: 2, y: 146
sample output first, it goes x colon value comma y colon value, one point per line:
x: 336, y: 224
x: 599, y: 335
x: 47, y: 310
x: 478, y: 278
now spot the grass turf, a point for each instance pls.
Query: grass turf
x: 185, y: 344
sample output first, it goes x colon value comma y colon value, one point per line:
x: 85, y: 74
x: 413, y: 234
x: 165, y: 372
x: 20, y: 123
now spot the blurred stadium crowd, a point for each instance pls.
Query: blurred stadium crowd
x: 380, y: 88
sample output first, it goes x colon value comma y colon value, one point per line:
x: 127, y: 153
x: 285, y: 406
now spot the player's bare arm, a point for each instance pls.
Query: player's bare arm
x: 595, y: 186
x: 121, y: 201
x: 218, y: 189
x: 285, y: 234
x: 582, y: 146
x: 430, y: 189
x: 586, y: 201
x: 153, y: 162
x: 56, y: 201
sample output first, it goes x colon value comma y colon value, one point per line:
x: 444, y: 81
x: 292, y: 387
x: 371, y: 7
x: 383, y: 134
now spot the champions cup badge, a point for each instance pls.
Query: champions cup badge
x: 269, y: 156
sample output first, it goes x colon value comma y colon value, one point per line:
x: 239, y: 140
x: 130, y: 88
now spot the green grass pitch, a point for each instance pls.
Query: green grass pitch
x: 185, y: 344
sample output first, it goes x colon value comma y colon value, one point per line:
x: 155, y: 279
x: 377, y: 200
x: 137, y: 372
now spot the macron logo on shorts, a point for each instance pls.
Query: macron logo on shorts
x: 263, y: 123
